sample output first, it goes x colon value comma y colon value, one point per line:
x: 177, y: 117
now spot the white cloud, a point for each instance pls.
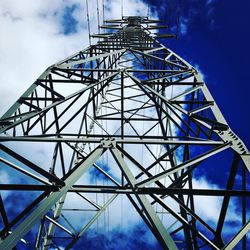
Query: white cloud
x: 210, y: 212
x: 209, y: 208
x: 4, y: 177
x: 210, y: 2
x: 32, y: 39
x: 183, y: 26
x: 201, y: 73
x: 29, y: 45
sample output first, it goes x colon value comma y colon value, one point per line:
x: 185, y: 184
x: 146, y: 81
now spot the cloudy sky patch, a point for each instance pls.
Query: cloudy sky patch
x: 37, y: 34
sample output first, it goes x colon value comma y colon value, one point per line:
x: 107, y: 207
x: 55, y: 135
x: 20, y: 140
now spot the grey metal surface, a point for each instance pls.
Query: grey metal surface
x: 131, y: 97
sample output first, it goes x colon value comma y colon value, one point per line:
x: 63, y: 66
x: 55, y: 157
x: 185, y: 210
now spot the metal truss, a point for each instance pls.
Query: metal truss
x: 140, y: 116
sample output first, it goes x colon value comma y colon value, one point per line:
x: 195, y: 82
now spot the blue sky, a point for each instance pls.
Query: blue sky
x: 217, y: 39
x: 214, y: 36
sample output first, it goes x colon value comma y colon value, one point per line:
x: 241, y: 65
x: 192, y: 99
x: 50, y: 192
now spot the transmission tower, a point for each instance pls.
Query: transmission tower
x: 133, y: 111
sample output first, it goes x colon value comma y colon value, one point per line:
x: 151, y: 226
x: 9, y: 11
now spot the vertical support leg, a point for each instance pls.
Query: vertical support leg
x: 235, y: 240
x: 226, y: 200
x: 244, y: 205
x: 23, y: 228
x: 48, y: 239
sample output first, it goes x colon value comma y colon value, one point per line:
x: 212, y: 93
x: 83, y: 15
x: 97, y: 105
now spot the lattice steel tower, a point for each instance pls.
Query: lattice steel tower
x: 131, y: 110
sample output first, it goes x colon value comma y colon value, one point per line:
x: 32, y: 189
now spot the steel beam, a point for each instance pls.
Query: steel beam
x: 11, y: 240
x: 91, y: 222
x: 148, y: 209
x: 235, y: 240
x: 184, y: 165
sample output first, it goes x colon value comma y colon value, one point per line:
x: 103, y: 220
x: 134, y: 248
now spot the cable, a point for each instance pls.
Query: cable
x: 87, y: 7
x: 98, y: 16
x: 148, y: 11
x: 121, y: 8
x: 103, y: 11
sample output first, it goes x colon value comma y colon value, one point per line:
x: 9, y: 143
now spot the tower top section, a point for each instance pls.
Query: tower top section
x: 138, y: 20
x: 138, y: 32
x: 133, y: 20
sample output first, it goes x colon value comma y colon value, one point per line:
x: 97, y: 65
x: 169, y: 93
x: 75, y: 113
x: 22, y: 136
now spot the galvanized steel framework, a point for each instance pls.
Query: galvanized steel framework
x: 134, y: 106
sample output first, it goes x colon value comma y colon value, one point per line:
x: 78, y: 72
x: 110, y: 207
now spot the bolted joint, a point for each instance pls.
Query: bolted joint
x: 108, y: 143
x: 194, y: 71
x: 122, y: 70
